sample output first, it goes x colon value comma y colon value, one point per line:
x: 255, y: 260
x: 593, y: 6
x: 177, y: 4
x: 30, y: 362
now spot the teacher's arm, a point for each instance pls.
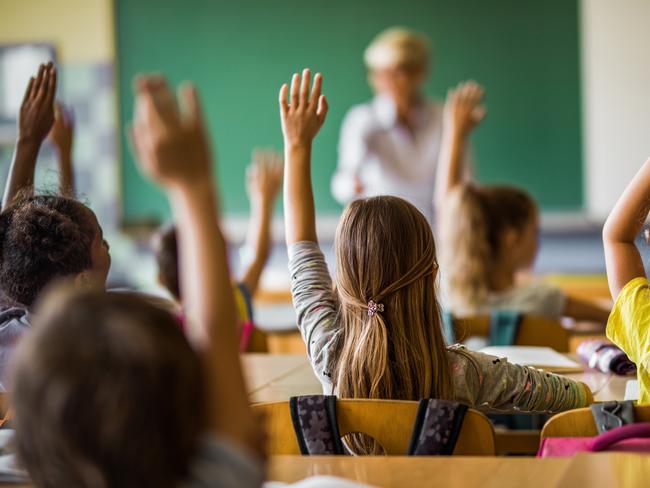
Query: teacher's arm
x: 347, y: 183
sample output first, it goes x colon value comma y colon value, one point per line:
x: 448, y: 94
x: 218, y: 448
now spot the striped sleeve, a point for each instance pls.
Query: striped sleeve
x: 316, y: 306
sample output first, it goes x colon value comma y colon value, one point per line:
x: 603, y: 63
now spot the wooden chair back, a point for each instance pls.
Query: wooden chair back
x: 389, y: 422
x: 258, y: 341
x: 533, y: 331
x: 580, y: 422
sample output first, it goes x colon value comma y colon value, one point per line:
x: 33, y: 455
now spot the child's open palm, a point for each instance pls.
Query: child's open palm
x: 62, y: 132
x: 37, y: 110
x: 171, y: 144
x: 463, y: 108
x: 304, y: 113
x: 264, y: 175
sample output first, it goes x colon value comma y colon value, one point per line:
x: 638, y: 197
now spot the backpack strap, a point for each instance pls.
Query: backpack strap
x: 436, y: 427
x: 610, y: 415
x: 448, y: 327
x: 504, y: 325
x: 314, y: 422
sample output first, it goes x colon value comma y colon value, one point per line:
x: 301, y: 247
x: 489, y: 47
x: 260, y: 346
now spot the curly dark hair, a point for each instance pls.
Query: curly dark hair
x: 42, y: 238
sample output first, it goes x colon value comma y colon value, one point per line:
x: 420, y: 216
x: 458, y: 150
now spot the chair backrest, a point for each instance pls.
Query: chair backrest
x: 258, y: 341
x: 580, y: 422
x: 389, y: 422
x: 533, y: 331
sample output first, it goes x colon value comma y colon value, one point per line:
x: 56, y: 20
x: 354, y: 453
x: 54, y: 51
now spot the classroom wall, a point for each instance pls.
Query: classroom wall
x: 616, y: 97
x: 526, y: 54
x: 82, y: 30
x: 82, y: 33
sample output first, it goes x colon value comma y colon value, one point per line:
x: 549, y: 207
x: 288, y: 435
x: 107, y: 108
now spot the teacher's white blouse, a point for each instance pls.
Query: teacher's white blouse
x: 386, y: 157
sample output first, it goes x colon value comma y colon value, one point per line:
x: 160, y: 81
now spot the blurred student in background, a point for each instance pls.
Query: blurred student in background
x: 263, y: 182
x: 489, y: 233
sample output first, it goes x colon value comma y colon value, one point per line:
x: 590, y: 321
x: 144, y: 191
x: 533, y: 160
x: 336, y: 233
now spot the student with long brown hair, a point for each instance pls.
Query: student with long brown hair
x: 489, y: 234
x: 378, y: 333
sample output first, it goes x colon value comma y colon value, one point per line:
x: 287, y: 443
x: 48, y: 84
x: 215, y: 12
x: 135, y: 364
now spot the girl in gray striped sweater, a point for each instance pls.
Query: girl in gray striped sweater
x: 377, y: 333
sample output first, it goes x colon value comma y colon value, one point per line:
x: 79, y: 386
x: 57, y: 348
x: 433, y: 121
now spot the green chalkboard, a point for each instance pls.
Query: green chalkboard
x: 526, y: 54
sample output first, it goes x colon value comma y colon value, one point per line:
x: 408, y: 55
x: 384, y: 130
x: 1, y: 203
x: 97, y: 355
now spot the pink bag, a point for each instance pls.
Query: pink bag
x: 628, y: 438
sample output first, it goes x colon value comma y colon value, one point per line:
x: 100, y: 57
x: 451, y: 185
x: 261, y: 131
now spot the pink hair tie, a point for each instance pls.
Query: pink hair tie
x: 373, y: 308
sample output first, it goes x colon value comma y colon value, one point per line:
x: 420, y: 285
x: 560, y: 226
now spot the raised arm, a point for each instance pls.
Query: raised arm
x: 302, y: 117
x: 34, y: 122
x: 173, y: 150
x: 463, y: 112
x: 264, y: 178
x: 624, y: 223
x: 62, y: 137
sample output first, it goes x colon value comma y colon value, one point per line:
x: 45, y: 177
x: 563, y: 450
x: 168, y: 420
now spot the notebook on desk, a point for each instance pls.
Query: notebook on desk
x: 538, y: 357
x: 632, y: 390
x: 318, y: 482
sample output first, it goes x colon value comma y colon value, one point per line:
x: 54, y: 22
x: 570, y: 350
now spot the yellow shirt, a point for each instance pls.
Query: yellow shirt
x: 629, y: 328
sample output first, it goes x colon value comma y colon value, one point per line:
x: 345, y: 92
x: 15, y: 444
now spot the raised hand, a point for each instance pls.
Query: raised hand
x: 463, y: 112
x: 264, y: 179
x: 301, y: 119
x: 463, y: 108
x: 37, y: 110
x: 302, y: 113
x: 264, y: 176
x: 34, y: 122
x: 171, y: 143
x: 62, y: 133
x: 173, y: 150
x: 62, y: 136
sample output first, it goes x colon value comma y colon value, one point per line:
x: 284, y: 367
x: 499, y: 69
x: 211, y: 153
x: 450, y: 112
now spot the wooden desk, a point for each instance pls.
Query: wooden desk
x: 610, y: 470
x: 590, y: 287
x: 593, y: 470
x: 300, y: 381
x: 606, y: 388
x: 607, y: 470
x: 263, y: 369
x: 276, y: 378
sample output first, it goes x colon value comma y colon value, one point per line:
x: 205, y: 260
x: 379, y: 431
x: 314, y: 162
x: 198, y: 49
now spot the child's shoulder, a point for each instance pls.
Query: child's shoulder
x: 13, y: 321
x: 219, y: 463
x: 462, y: 361
x: 533, y: 288
x: 535, y: 297
x: 637, y: 289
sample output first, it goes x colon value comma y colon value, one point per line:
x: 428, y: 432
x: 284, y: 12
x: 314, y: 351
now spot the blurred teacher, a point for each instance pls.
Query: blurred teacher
x: 392, y: 144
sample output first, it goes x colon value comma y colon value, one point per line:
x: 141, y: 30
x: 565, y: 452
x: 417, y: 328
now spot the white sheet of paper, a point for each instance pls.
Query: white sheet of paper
x: 632, y: 390
x: 318, y: 482
x: 532, y: 356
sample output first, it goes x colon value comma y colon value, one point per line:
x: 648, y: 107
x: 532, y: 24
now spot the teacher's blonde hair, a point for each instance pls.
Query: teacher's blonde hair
x: 398, y: 46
